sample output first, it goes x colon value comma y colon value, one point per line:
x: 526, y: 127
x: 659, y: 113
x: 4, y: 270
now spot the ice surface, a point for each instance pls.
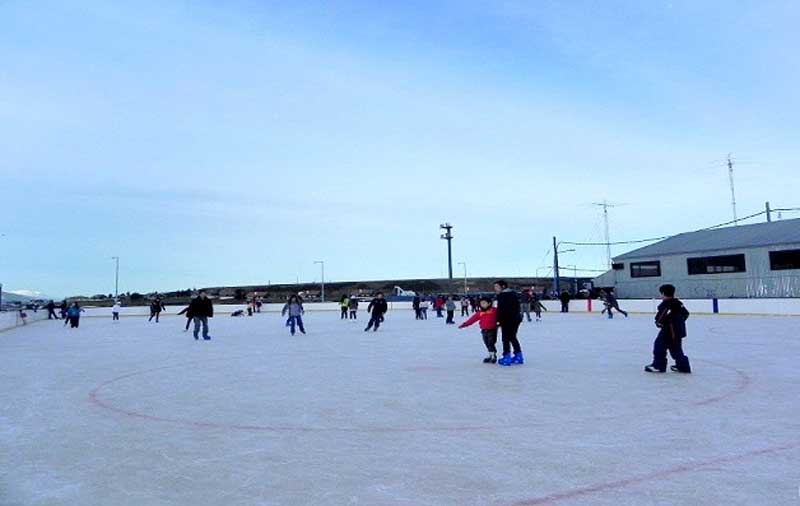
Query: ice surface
x: 139, y: 413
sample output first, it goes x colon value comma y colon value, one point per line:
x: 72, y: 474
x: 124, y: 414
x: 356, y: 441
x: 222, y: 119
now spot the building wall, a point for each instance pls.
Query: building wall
x: 759, y: 280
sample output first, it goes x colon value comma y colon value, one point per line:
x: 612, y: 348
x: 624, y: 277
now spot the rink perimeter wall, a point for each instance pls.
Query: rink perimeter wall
x: 768, y: 307
x: 11, y: 319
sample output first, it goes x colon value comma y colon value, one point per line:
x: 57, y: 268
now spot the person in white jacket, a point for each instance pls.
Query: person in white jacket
x: 115, y: 310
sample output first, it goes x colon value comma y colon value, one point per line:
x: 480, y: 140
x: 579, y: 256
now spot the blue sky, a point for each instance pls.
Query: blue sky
x: 212, y: 143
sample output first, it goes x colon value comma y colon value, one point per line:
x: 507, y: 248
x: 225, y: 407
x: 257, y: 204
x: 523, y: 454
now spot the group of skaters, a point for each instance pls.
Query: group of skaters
x: 529, y: 302
x: 377, y: 309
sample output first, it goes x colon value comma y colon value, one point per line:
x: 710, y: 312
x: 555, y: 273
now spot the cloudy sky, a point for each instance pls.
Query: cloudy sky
x: 237, y: 142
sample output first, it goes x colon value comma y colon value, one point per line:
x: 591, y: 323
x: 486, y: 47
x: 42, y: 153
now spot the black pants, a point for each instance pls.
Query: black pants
x: 344, y: 313
x: 663, y: 343
x: 188, y: 322
x: 74, y: 321
x: 490, y: 340
x: 510, y: 338
x: 353, y: 314
x: 417, y: 313
x: 464, y: 310
x: 565, y: 307
x: 615, y: 305
x: 156, y: 315
x: 374, y: 321
x: 115, y: 316
x: 450, y: 316
x: 51, y: 314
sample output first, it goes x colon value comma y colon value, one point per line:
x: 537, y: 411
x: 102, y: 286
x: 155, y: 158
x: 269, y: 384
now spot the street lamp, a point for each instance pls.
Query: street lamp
x: 116, y: 278
x: 465, y: 276
x: 322, y: 264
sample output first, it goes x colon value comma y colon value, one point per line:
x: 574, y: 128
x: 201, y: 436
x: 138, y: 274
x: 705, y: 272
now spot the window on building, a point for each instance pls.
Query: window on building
x: 618, y: 267
x: 646, y: 269
x: 723, y: 264
x: 784, y: 260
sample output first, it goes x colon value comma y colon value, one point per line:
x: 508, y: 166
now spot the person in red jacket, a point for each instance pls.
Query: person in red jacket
x: 487, y: 316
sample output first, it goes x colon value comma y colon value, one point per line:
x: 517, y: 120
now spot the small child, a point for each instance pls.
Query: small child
x: 450, y: 305
x: 23, y: 316
x: 353, y: 305
x: 488, y: 323
x: 115, y: 311
x: 294, y: 306
x: 671, y: 319
x: 423, y: 309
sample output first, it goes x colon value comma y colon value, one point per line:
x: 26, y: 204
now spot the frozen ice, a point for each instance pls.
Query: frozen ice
x: 138, y: 413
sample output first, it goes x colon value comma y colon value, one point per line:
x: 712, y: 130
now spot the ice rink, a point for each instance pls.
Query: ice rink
x: 139, y: 413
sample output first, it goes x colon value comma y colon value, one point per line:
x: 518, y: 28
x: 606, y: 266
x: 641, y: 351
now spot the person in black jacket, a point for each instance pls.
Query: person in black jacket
x: 51, y: 311
x: 377, y: 308
x: 564, y: 298
x: 671, y: 320
x: 509, y: 319
x: 155, y: 309
x: 201, y: 310
x: 188, y: 312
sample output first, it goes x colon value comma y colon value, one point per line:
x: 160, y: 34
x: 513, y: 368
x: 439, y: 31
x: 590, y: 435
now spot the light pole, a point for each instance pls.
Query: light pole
x: 556, y: 272
x: 448, y: 236
x: 465, y: 276
x: 322, y: 264
x: 116, y: 278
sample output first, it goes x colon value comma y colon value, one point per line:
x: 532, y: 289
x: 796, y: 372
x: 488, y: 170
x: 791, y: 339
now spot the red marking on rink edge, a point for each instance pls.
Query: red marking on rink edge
x: 656, y: 475
x: 742, y: 384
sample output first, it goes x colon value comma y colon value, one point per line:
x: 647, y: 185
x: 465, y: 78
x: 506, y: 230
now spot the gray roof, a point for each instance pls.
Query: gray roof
x: 777, y: 233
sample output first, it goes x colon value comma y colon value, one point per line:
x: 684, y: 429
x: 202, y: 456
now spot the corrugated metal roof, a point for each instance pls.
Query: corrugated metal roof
x: 728, y: 238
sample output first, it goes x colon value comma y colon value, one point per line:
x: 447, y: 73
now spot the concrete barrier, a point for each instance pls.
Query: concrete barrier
x: 11, y: 319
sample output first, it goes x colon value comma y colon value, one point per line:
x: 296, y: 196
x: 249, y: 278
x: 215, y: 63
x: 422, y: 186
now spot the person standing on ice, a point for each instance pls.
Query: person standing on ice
x: 377, y: 308
x: 423, y: 309
x: 415, y: 306
x: 450, y: 306
x: 64, y: 306
x: 564, y: 298
x: 115, y: 311
x: 536, y: 305
x: 201, y: 310
x: 294, y: 308
x: 464, y: 306
x: 508, y: 317
x: 488, y: 324
x: 353, y: 307
x: 671, y: 321
x: 344, y: 304
x: 155, y: 309
x: 611, y: 303
x: 74, y: 315
x: 525, y: 304
x: 51, y: 311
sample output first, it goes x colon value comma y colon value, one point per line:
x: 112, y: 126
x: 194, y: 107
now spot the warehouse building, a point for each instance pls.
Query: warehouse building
x: 745, y: 261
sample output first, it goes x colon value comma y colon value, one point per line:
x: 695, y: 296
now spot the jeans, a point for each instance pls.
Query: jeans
x: 115, y: 316
x: 450, y: 315
x: 663, y: 343
x: 296, y: 321
x: 374, y: 321
x: 490, y: 339
x: 198, y: 320
x: 510, y: 338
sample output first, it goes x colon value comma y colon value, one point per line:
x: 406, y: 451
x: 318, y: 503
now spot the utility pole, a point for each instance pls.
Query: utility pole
x: 769, y: 213
x: 733, y: 191
x: 556, y: 280
x: 116, y: 278
x: 465, y: 276
x: 605, y: 205
x: 448, y: 236
x: 322, y: 263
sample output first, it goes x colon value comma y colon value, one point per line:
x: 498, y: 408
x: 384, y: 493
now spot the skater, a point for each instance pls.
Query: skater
x: 294, y: 308
x: 239, y: 312
x: 155, y: 309
x: 564, y: 298
x: 377, y: 308
x: 612, y: 303
x: 415, y: 305
x: 23, y: 316
x: 423, y: 309
x: 525, y: 305
x: 450, y: 305
x: 188, y: 312
x: 464, y: 306
x: 508, y: 318
x: 74, y: 315
x: 344, y: 304
x: 63, y: 308
x: 537, y: 305
x: 201, y: 310
x: 438, y: 305
x: 115, y: 311
x: 259, y: 303
x: 51, y: 311
x: 488, y: 324
x: 671, y: 320
x: 353, y: 307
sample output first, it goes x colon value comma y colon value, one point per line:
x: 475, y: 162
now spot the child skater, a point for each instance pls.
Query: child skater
x: 509, y: 319
x: 294, y: 307
x: 377, y: 308
x: 344, y: 305
x: 464, y: 306
x: 188, y: 312
x: 488, y: 323
x: 671, y: 320
x: 115, y: 311
x: 450, y: 305
x: 353, y: 305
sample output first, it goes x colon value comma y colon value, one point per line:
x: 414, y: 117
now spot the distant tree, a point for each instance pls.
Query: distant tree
x: 136, y: 296
x: 239, y: 294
